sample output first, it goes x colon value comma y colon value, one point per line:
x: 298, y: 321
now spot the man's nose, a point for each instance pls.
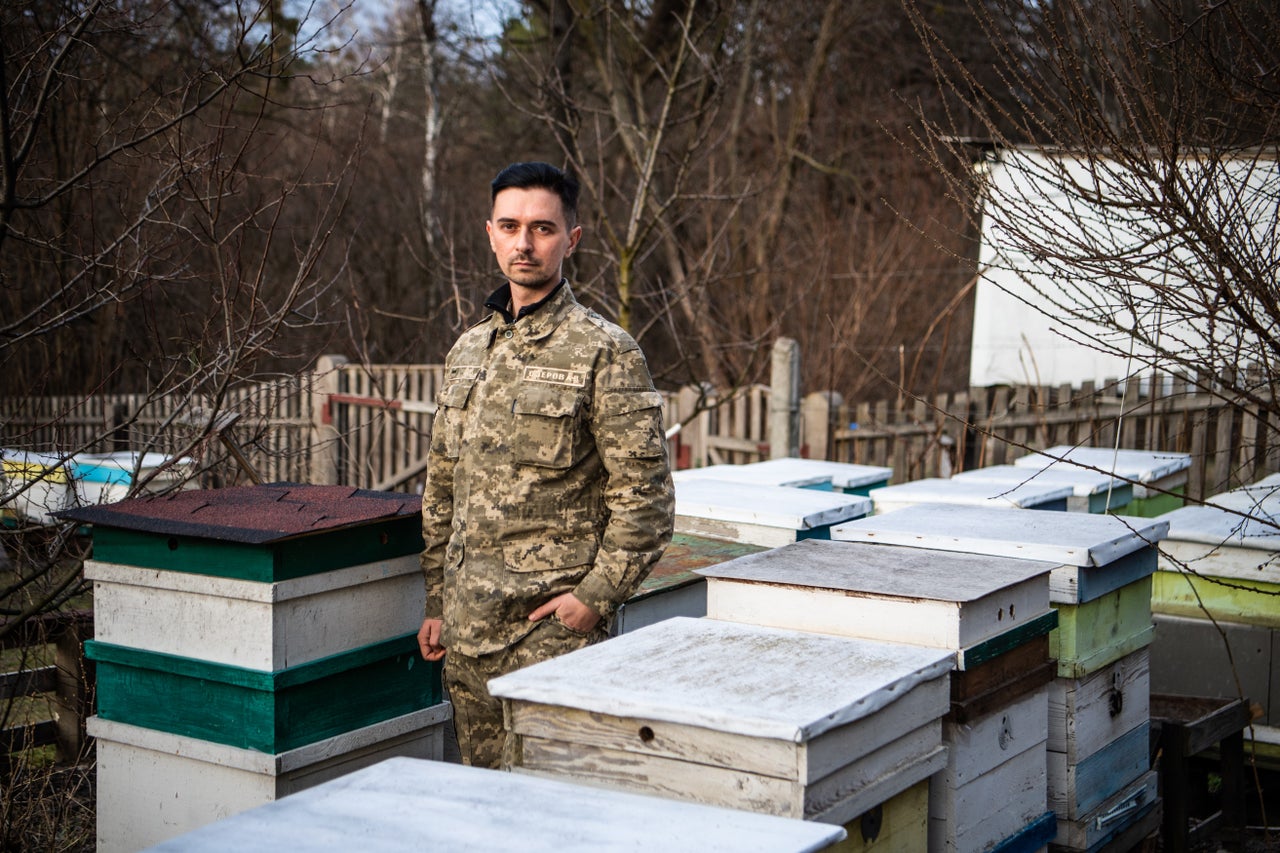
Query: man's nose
x: 524, y: 240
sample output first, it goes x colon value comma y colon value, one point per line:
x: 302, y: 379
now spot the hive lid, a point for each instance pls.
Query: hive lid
x: 1069, y: 538
x: 770, y: 506
x: 1144, y: 466
x: 253, y: 515
x: 731, y: 677
x: 883, y: 570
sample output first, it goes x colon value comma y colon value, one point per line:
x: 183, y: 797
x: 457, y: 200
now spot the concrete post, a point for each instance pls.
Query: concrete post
x: 784, y: 400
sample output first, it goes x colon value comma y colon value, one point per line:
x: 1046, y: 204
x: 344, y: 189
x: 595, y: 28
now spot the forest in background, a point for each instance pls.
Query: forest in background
x: 196, y: 194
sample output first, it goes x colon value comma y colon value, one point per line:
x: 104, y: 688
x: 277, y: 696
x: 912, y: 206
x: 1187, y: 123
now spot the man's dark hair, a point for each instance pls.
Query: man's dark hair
x: 528, y: 176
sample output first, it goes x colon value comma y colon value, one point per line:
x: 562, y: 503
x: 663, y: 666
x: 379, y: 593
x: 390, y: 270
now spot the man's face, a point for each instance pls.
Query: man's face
x: 530, y: 237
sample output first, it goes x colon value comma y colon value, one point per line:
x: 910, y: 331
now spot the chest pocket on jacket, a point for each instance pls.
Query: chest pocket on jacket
x: 451, y: 401
x: 545, y: 425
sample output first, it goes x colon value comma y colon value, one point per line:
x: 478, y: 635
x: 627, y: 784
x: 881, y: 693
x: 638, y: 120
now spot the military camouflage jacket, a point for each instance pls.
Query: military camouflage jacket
x: 547, y: 473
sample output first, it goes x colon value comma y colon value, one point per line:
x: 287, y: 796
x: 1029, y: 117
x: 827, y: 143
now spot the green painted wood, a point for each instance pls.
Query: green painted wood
x: 1001, y: 643
x: 1091, y: 635
x: 269, y: 712
x: 283, y: 560
x: 1240, y: 601
x: 1155, y: 505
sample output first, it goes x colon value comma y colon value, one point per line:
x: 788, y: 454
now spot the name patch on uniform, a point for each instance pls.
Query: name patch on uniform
x: 575, y: 378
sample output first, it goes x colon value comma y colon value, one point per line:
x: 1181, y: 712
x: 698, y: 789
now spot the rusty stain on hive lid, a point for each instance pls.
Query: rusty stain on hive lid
x: 251, y: 514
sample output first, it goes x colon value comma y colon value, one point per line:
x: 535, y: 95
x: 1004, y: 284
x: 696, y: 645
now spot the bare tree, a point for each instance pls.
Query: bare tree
x: 168, y: 226
x: 1132, y: 179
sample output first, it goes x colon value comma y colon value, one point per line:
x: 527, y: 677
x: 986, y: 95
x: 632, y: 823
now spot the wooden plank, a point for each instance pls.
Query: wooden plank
x: 1091, y: 635
x: 28, y: 682
x: 1076, y: 790
x: 1086, y: 714
x: 650, y: 774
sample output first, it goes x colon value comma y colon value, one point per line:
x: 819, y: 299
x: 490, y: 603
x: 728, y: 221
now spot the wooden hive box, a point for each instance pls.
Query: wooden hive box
x: 270, y: 712
x: 993, y: 612
x: 1030, y: 495
x: 405, y: 806
x: 1091, y: 491
x: 938, y: 599
x: 780, y: 722
x: 153, y: 785
x: 1101, y: 631
x: 1153, y: 473
x: 673, y: 587
x: 761, y: 515
x: 255, y: 624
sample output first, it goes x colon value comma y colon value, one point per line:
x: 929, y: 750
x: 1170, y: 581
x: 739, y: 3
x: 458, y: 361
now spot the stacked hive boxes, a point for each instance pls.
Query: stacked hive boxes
x: 1215, y: 604
x: 761, y: 515
x: 1100, y: 784
x: 781, y: 722
x: 991, y: 613
x: 251, y: 642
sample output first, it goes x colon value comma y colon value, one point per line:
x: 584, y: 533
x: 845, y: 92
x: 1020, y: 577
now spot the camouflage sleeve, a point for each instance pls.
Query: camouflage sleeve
x: 627, y: 424
x: 437, y: 517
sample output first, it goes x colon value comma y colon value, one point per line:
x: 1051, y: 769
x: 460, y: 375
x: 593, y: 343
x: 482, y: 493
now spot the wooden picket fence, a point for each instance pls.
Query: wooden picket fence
x: 369, y: 426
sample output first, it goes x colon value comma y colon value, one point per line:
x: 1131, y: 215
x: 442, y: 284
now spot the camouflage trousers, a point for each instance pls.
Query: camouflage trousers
x: 477, y: 716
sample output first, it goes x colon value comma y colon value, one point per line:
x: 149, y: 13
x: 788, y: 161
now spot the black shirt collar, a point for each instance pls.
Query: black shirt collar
x: 501, y: 298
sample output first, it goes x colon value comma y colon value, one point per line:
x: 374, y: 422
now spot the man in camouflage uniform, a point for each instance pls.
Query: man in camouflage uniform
x: 548, y: 494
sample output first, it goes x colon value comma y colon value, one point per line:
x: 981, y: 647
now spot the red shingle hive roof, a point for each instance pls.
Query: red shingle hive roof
x: 251, y: 514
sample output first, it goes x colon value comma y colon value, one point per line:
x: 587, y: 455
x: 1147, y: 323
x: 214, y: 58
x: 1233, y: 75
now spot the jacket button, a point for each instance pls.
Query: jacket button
x: 508, y: 333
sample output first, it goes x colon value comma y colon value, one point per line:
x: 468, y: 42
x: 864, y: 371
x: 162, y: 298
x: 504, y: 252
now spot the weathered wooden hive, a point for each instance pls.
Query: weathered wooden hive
x: 251, y: 642
x: 781, y: 722
x: 761, y: 515
x: 1100, y: 783
x: 991, y: 613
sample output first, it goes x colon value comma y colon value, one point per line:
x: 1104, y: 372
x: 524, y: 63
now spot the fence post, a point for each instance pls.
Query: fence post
x: 324, y: 454
x: 74, y: 692
x: 817, y: 415
x: 784, y: 400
